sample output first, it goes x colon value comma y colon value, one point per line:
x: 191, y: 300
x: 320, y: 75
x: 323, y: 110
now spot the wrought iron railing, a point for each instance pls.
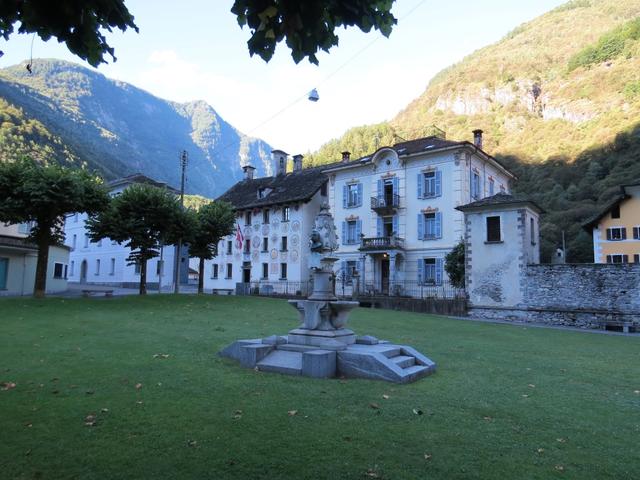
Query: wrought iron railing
x: 375, y: 243
x: 281, y: 288
x: 385, y: 201
x: 352, y: 287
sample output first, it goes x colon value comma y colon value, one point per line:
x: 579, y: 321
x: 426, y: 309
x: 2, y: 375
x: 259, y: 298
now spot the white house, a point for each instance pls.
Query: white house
x: 105, y: 262
x: 275, y: 215
x: 396, y: 210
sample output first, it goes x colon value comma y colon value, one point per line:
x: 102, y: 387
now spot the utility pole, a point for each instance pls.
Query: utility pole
x: 564, y: 248
x: 176, y: 270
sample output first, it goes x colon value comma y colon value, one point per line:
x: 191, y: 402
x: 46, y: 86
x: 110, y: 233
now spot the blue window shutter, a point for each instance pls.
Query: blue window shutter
x: 380, y: 189
x: 396, y: 186
x: 345, y: 196
x: 420, y: 184
x: 438, y: 226
x: 420, y: 268
x: 439, y: 270
x: 379, y: 227
x: 438, y: 182
x: 420, y: 226
x: 358, y: 230
x: 359, y: 195
x: 395, y: 225
x: 344, y: 233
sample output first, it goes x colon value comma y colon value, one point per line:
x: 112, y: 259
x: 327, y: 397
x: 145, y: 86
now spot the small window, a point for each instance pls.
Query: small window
x: 283, y: 271
x: 247, y: 218
x: 285, y: 214
x: 491, y: 187
x: 430, y: 271
x: 636, y: 233
x: 73, y: 268
x: 265, y: 271
x: 429, y: 184
x: 284, y: 244
x: 351, y: 267
x: 229, y: 247
x: 112, y: 270
x: 617, y: 258
x: 616, y: 233
x: 475, y: 185
x: 493, y: 229
x: 214, y: 271
x: 532, y: 227
x: 352, y: 229
x: 615, y: 212
x: 74, y: 241
x: 636, y: 258
x: 265, y: 215
x: 229, y: 270
x: 430, y: 226
x: 247, y: 245
x: 159, y: 267
x: 58, y: 270
x: 86, y: 241
x: 265, y: 244
x: 98, y: 267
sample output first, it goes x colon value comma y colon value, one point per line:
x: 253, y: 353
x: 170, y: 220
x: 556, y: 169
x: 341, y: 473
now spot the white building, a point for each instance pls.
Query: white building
x: 275, y: 216
x: 396, y: 210
x: 105, y: 262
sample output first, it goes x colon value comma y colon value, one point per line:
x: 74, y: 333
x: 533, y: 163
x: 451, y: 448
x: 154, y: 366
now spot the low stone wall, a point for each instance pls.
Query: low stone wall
x: 578, y: 295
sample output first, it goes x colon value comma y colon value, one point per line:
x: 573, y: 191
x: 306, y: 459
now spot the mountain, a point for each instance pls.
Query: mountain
x: 69, y: 114
x: 559, y: 101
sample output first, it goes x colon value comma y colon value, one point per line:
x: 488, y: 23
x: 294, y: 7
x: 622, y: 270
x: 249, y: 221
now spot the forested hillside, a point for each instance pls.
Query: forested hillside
x: 68, y: 114
x: 558, y: 99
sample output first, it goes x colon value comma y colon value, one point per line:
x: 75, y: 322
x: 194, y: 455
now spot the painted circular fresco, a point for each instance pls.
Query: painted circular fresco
x: 247, y: 231
x: 256, y: 227
x: 274, y: 254
x: 265, y: 229
x: 295, y: 225
x: 295, y: 239
x: 294, y: 256
x: 255, y: 242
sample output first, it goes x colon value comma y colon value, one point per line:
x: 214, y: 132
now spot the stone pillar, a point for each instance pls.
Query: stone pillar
x: 392, y: 272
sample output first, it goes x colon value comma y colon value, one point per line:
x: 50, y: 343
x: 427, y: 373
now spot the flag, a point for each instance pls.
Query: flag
x: 239, y: 237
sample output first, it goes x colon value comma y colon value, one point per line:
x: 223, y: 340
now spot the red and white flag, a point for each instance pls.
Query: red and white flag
x: 239, y: 237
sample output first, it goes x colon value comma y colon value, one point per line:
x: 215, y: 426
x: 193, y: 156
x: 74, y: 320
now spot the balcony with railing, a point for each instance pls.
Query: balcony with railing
x: 385, y: 204
x: 382, y: 243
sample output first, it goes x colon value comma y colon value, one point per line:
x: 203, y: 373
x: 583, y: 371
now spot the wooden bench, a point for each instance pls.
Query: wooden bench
x: 89, y: 292
x: 222, y: 291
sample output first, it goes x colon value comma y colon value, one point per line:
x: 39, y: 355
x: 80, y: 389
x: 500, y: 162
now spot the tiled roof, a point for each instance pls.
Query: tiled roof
x: 297, y: 186
x: 139, y: 178
x: 498, y: 199
x: 16, y: 242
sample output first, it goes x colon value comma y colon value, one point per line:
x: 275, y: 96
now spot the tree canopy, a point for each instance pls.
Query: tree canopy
x: 43, y: 195
x: 142, y: 217
x: 305, y: 26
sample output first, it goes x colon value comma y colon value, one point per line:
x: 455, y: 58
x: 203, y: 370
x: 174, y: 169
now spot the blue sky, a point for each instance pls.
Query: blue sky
x: 194, y: 49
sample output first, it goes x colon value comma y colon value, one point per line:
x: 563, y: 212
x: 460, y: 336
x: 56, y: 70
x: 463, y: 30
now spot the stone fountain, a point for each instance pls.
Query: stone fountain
x: 321, y: 346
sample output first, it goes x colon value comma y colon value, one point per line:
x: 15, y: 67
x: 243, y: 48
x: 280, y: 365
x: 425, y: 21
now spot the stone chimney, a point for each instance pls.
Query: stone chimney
x: 279, y: 162
x: 297, y: 162
x: 346, y: 156
x: 477, y: 138
x: 248, y: 172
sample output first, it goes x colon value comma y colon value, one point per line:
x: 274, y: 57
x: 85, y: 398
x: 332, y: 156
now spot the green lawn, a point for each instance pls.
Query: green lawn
x: 507, y: 402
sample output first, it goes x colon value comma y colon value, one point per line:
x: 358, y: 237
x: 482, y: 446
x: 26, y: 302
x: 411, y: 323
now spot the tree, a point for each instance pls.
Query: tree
x: 214, y: 221
x: 30, y: 192
x: 306, y: 26
x: 454, y: 265
x: 142, y: 217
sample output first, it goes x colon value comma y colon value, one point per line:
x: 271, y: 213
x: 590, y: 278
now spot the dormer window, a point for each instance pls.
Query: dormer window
x: 263, y: 192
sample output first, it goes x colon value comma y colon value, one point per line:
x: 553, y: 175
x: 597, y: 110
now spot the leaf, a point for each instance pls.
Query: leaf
x: 525, y: 396
x: 427, y: 456
x: 237, y: 415
x: 372, y: 473
x: 561, y: 440
x: 292, y: 413
x: 90, y: 420
x: 560, y: 468
x: 104, y: 410
x: 488, y: 419
x: 192, y: 443
x: 540, y: 450
x: 7, y: 385
x: 637, y: 392
x: 385, y: 396
x: 374, y: 405
x: 138, y: 386
x: 417, y: 411
x: 531, y: 385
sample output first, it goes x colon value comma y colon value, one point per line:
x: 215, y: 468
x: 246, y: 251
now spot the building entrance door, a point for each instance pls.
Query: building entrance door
x: 246, y: 275
x: 384, y: 276
x: 83, y: 272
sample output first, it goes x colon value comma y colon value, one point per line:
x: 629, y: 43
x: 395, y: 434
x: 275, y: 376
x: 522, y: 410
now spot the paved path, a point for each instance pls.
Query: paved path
x: 75, y: 290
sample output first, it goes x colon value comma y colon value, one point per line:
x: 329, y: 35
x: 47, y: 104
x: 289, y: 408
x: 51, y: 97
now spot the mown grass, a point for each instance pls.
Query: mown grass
x: 506, y: 402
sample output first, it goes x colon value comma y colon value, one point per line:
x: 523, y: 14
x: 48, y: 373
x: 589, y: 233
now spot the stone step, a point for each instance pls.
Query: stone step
x: 415, y: 372
x: 282, y: 361
x: 404, y: 361
x: 292, y: 347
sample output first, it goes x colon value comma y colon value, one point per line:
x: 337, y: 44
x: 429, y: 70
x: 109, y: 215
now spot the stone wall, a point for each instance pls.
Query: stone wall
x: 581, y: 295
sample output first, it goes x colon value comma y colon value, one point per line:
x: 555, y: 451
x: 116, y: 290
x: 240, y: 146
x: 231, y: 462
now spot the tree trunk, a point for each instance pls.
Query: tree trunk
x: 143, y: 276
x: 40, y: 284
x: 201, y: 275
